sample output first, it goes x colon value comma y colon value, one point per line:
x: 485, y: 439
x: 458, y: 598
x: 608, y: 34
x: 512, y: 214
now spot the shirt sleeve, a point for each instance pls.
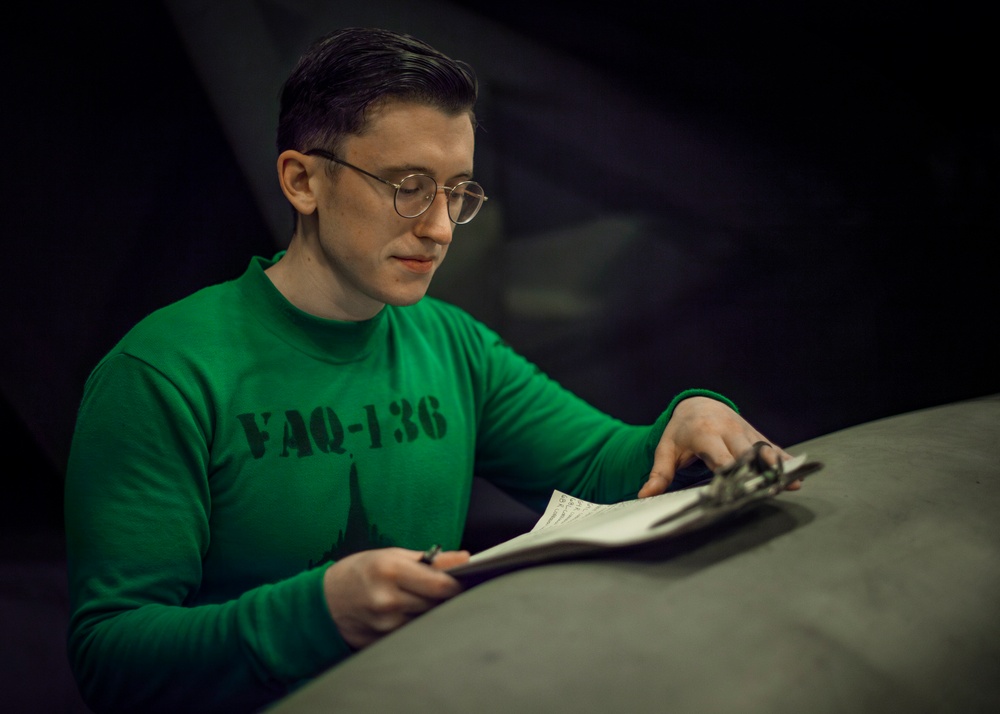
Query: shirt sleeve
x: 137, y: 525
x: 536, y: 436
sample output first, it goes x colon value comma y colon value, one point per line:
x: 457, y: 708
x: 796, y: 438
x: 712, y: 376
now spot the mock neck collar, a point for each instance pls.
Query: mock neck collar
x: 328, y: 340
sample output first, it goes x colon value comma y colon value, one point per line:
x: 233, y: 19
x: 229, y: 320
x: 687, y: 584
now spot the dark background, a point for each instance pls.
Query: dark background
x: 791, y: 203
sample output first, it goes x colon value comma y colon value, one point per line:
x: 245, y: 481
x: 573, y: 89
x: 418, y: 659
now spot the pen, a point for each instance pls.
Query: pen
x: 428, y: 557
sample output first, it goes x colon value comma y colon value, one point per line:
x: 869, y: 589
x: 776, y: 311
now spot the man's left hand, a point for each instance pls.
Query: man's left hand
x: 706, y: 429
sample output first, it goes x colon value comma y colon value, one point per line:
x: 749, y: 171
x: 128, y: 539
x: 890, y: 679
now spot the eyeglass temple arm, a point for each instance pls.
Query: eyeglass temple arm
x: 331, y: 157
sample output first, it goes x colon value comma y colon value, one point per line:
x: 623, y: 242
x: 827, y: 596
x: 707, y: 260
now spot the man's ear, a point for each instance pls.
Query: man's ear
x: 294, y: 173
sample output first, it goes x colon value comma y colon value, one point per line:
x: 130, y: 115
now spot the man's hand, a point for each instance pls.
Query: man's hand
x: 374, y: 592
x: 706, y: 429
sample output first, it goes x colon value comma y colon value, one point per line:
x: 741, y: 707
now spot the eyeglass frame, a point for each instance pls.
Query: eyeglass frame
x: 448, y: 189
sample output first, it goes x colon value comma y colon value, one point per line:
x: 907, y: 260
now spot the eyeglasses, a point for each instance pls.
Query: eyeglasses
x: 416, y: 193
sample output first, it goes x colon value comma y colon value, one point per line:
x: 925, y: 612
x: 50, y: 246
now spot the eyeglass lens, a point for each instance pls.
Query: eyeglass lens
x: 416, y: 194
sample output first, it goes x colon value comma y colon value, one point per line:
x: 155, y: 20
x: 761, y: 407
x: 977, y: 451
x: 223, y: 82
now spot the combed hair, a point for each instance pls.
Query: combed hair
x: 349, y: 72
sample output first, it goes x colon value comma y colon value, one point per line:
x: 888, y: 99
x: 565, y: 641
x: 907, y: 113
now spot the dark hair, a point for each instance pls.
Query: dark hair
x: 348, y: 72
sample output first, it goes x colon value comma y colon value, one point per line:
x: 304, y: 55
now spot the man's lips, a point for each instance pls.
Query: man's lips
x: 416, y: 263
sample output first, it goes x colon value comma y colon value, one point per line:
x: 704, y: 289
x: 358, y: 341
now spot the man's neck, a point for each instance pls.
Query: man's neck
x: 306, y: 282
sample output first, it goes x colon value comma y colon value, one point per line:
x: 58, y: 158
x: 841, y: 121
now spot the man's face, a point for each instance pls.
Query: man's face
x: 370, y: 255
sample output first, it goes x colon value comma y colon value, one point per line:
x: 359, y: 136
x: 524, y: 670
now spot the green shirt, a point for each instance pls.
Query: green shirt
x: 231, y: 446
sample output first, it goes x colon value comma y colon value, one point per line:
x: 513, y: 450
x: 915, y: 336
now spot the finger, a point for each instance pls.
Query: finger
x: 442, y: 559
x: 721, y: 452
x: 662, y: 474
x: 450, y: 558
x: 393, y: 607
x: 740, y: 444
x: 384, y: 610
x: 771, y: 453
x: 654, y: 486
x: 431, y: 582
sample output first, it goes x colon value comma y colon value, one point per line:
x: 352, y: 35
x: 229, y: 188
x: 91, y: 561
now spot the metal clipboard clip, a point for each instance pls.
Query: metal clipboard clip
x: 751, y: 477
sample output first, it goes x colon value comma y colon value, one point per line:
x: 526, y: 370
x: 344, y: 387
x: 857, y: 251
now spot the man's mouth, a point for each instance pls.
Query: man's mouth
x: 416, y: 263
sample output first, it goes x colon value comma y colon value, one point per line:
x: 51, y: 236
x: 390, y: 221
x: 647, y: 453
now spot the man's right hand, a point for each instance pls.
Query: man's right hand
x: 374, y: 592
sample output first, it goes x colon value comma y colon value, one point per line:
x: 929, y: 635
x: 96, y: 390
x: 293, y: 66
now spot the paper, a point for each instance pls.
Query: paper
x: 571, y: 526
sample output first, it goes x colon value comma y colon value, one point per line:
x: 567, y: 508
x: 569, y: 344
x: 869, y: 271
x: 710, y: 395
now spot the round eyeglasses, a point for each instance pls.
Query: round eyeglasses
x: 416, y: 192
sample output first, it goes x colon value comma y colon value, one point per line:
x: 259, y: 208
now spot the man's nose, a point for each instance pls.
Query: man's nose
x: 434, y: 223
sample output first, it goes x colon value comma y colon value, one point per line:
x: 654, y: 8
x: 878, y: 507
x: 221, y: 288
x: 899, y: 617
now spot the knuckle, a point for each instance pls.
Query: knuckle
x: 385, y: 601
x: 447, y: 587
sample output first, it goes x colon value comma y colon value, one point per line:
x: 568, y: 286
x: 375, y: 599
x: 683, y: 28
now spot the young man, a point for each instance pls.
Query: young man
x: 257, y: 468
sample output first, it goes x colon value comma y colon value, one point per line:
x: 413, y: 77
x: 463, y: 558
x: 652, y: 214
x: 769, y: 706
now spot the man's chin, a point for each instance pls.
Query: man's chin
x: 407, y: 298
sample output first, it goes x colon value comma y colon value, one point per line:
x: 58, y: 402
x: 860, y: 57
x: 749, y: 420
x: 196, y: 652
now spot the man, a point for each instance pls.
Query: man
x: 257, y: 468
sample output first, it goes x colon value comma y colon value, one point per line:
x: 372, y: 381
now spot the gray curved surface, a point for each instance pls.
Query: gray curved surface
x: 875, y: 588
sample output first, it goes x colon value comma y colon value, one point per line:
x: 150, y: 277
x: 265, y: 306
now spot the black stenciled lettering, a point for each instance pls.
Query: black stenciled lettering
x: 326, y: 432
x: 431, y: 419
x: 256, y: 438
x: 404, y: 410
x: 328, y: 440
x: 374, y: 430
x: 296, y: 435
